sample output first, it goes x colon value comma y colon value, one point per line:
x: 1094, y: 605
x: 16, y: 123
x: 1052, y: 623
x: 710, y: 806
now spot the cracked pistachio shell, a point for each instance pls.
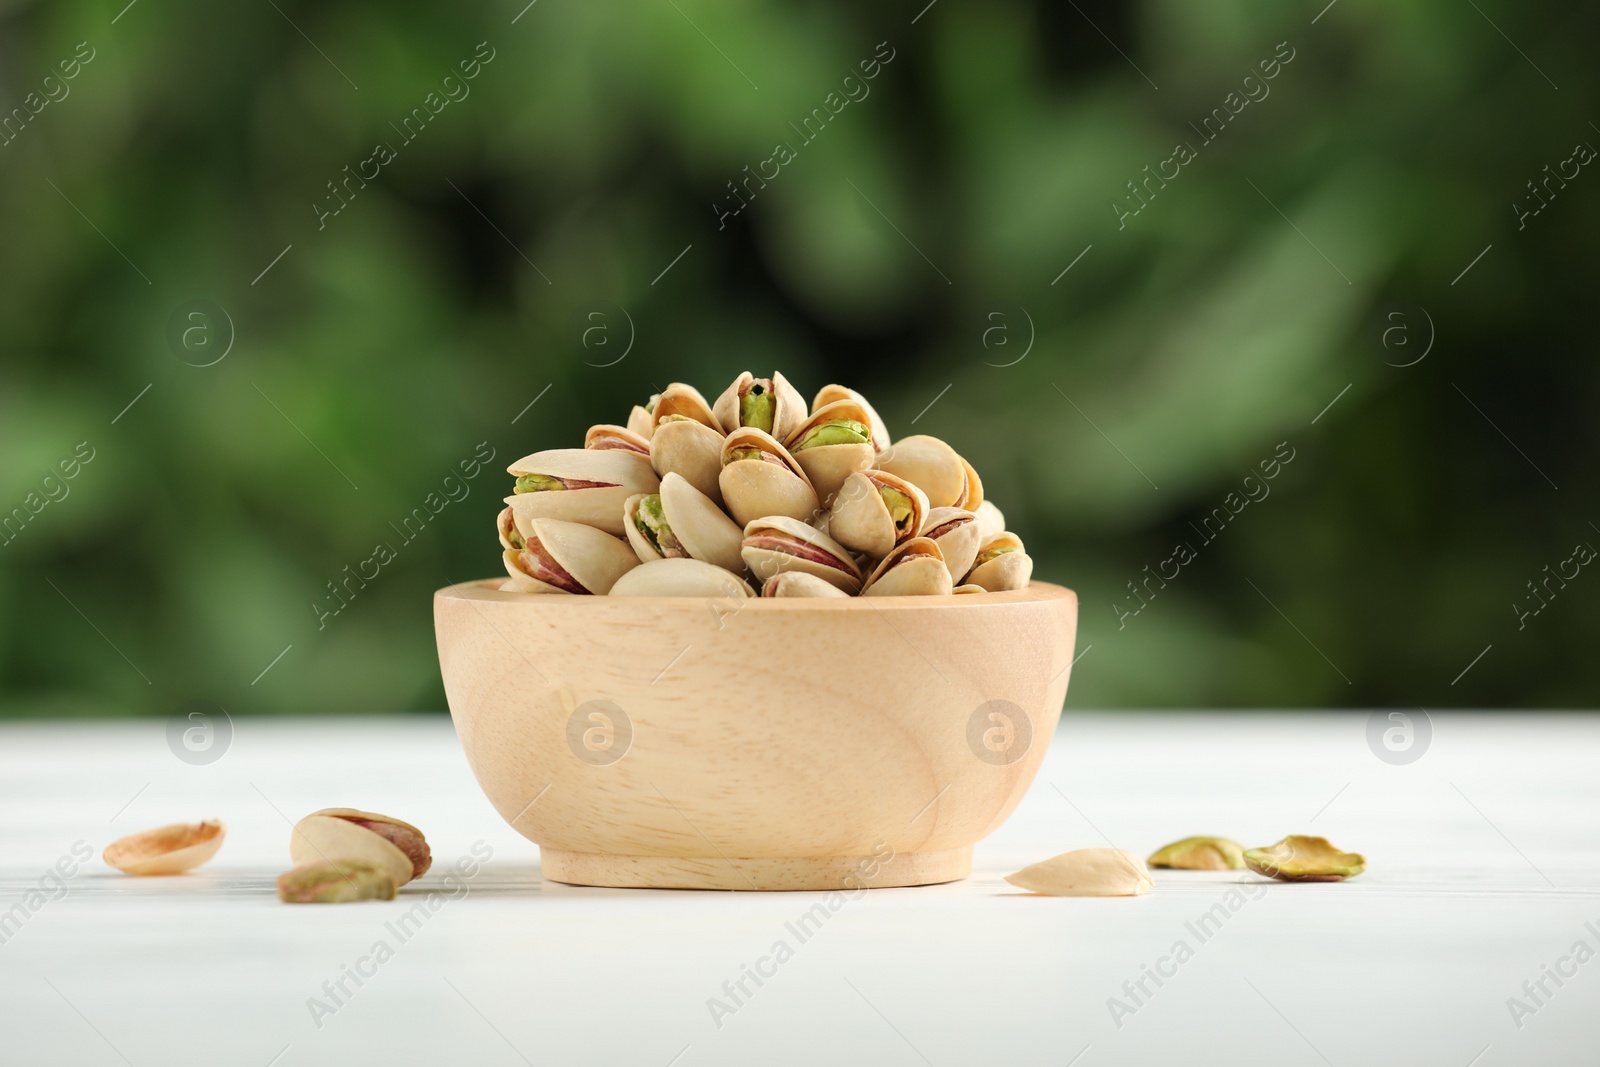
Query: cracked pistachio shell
x: 777, y: 544
x: 1086, y: 872
x: 332, y: 834
x: 991, y: 522
x: 594, y: 559
x: 974, y: 498
x: 510, y: 538
x: 914, y: 568
x: 691, y: 450
x: 681, y: 576
x: 861, y: 520
x: 1007, y: 570
x: 170, y: 849
x: 829, y: 393
x: 754, y: 489
x: 931, y: 465
x: 702, y: 529
x: 969, y: 588
x: 1200, y: 854
x: 958, y: 540
x: 829, y: 465
x: 624, y: 474
x: 607, y: 437
x: 335, y: 882
x: 795, y: 583
x: 686, y: 401
x: 1302, y: 858
x: 641, y: 421
x: 788, y: 407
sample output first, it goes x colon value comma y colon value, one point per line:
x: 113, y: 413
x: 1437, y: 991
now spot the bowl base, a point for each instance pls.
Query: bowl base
x: 764, y: 874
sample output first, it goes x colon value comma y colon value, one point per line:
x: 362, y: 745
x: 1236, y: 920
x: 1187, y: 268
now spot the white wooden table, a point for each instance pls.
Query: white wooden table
x: 1484, y: 862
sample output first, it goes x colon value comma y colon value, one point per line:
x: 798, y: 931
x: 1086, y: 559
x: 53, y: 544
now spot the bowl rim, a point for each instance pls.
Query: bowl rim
x: 486, y: 590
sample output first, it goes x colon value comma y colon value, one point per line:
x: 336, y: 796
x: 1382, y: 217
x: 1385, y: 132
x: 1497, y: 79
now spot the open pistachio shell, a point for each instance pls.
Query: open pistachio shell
x: 600, y: 480
x: 771, y: 405
x: 1200, y: 854
x: 974, y: 497
x: 683, y: 521
x: 1086, y: 872
x: 914, y: 568
x: 400, y: 834
x: 829, y: 393
x: 779, y: 543
x: 931, y: 465
x: 691, y: 449
x: 170, y: 849
x: 968, y: 588
x: 1301, y: 858
x: 642, y: 420
x: 771, y: 485
x: 1001, y: 564
x: 568, y: 557
x: 874, y: 510
x: 991, y: 522
x: 684, y: 401
x: 680, y: 577
x: 955, y: 531
x: 795, y: 583
x: 330, y: 838
x: 619, y: 438
x: 510, y: 538
x: 829, y: 448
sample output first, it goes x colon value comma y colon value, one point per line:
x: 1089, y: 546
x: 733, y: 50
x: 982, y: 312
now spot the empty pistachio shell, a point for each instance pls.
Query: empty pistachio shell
x: 1086, y: 872
x: 169, y: 849
x: 969, y: 588
x: 794, y: 583
x: 1300, y: 858
x: 642, y: 420
x: 1200, y: 854
x: 335, y: 882
x: 690, y: 449
x: 680, y: 577
x: 348, y: 834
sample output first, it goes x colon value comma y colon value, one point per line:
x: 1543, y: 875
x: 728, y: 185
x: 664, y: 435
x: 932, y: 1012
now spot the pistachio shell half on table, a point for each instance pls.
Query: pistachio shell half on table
x: 914, y: 568
x: 956, y: 532
x: 567, y: 557
x: 829, y: 393
x: 1200, y: 854
x: 681, y: 521
x: 932, y: 466
x: 334, y: 834
x: 510, y: 538
x: 874, y: 511
x: 991, y: 522
x: 1301, y: 858
x: 834, y: 443
x: 760, y: 478
x: 777, y: 543
x: 335, y: 882
x: 681, y: 576
x: 606, y: 437
x: 771, y: 405
x: 794, y: 583
x: 171, y: 849
x: 1086, y: 872
x: 579, y: 485
x: 1001, y: 564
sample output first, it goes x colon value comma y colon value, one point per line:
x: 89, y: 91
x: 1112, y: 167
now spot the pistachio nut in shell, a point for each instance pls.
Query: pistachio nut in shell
x: 691, y: 450
x: 681, y: 576
x: 931, y: 465
x: 1200, y: 854
x: 777, y: 543
x: 974, y: 497
x: 683, y: 401
x: 346, y: 834
x: 1303, y: 858
x: 969, y: 588
x: 796, y: 583
x: 1086, y: 872
x: 831, y: 445
x: 579, y: 485
x: 568, y: 557
x: 874, y: 510
x: 170, y: 849
x: 956, y: 532
x: 760, y: 478
x: 1001, y: 564
x: 913, y: 568
x: 829, y: 393
x: 771, y: 405
x: 510, y: 538
x: 681, y: 521
x: 335, y: 882
x: 607, y: 437
x: 642, y: 420
x: 991, y: 521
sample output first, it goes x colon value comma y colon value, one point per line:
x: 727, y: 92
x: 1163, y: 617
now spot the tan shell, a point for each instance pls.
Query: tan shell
x: 407, y: 838
x: 829, y: 465
x: 797, y: 583
x: 968, y: 588
x: 933, y: 466
x: 960, y: 545
x: 170, y: 849
x: 752, y: 489
x: 594, y: 559
x: 829, y: 393
x: 1009, y: 571
x: 1086, y: 872
x: 507, y: 525
x: 860, y: 520
x: 680, y: 577
x: 685, y: 400
x: 766, y: 562
x: 620, y: 438
x: 974, y: 498
x: 692, y: 450
x: 641, y: 421
x: 701, y: 527
x: 914, y: 568
x: 628, y: 473
x: 991, y: 522
x: 318, y: 838
x: 788, y: 413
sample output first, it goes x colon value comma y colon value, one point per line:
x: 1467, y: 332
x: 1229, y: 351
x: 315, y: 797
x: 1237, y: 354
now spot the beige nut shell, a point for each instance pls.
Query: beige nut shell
x: 320, y: 837
x: 170, y: 849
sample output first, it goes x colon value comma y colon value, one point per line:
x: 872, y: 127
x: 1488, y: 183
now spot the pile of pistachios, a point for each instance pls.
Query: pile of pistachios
x: 701, y: 499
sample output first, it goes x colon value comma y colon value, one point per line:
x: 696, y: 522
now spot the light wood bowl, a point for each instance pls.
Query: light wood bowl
x: 781, y: 743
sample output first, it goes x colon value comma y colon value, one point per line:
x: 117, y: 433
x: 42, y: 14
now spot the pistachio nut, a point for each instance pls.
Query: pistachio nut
x: 955, y: 531
x: 567, y: 557
x: 1086, y: 872
x: 1200, y: 854
x: 579, y: 485
x: 760, y: 478
x: 1302, y: 858
x: 834, y: 443
x: 390, y: 845
x: 913, y: 568
x: 796, y: 583
x: 874, y: 510
x: 681, y: 576
x: 170, y: 849
x: 969, y: 588
x: 688, y: 445
x: 829, y: 393
x: 778, y: 543
x: 991, y: 521
x: 335, y: 882
x: 642, y: 419
x: 619, y: 438
x: 1001, y: 565
x: 681, y: 521
x: 931, y: 465
x: 510, y: 539
x: 771, y: 405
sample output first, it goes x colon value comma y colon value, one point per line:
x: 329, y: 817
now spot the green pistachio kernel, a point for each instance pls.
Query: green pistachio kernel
x: 834, y: 432
x: 538, y: 483
x: 900, y: 508
x: 673, y: 418
x: 745, y: 452
x: 651, y: 521
x: 997, y: 550
x: 756, y: 407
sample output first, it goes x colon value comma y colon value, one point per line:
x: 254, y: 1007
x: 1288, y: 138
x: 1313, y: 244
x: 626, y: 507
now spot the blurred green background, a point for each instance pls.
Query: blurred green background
x: 517, y: 242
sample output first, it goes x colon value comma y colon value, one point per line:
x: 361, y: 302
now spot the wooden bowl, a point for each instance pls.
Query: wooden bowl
x: 781, y: 743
